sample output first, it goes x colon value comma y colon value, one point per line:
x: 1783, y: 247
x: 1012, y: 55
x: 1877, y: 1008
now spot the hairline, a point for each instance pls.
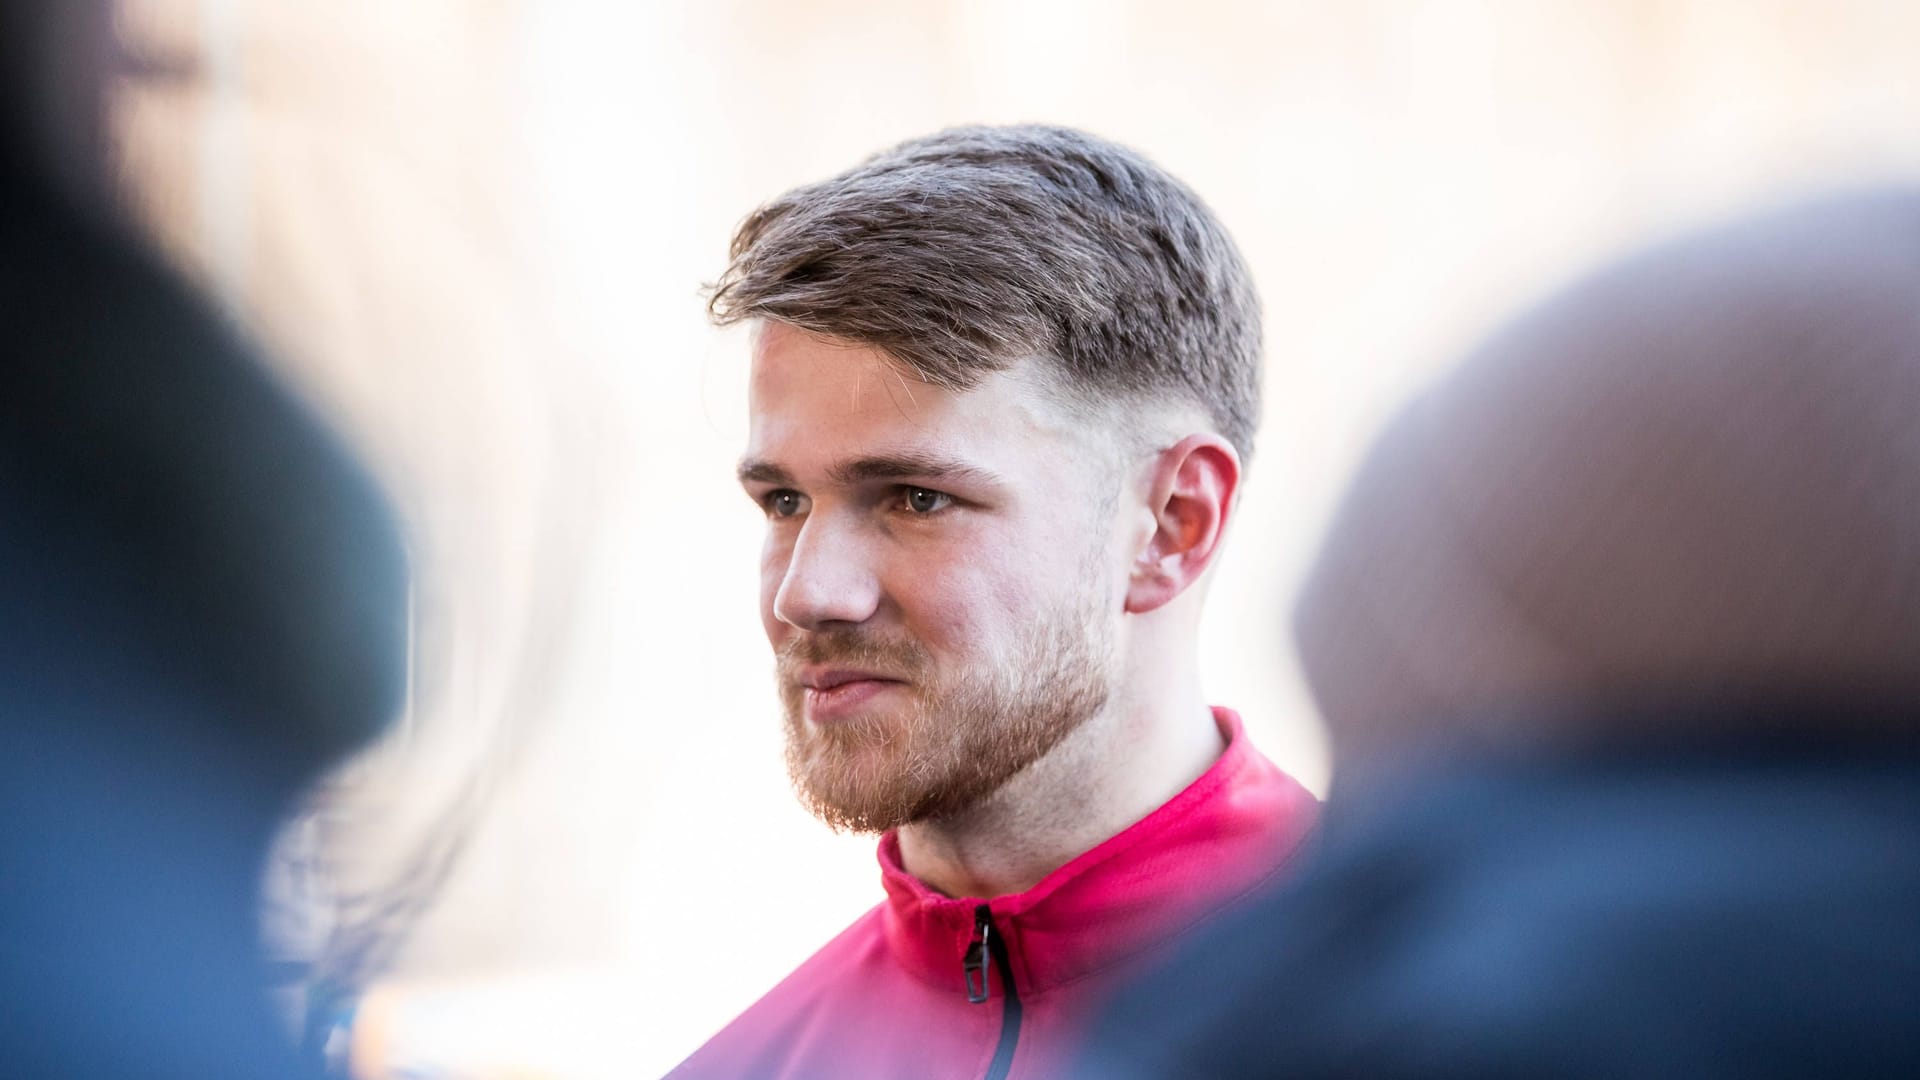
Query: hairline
x: 1088, y: 409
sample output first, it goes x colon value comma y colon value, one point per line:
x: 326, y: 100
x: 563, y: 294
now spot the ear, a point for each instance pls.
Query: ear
x: 1190, y: 496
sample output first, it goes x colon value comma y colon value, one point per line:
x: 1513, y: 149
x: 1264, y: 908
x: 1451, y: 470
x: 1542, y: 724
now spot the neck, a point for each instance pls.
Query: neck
x: 1113, y: 770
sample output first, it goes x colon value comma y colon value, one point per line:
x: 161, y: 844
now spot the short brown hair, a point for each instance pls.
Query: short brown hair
x: 964, y: 251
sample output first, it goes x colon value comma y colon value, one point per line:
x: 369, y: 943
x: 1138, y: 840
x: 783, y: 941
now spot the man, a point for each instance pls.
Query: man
x: 1004, y: 383
x: 1618, y: 640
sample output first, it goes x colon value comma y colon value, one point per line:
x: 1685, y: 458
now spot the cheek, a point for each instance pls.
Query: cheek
x: 945, y: 592
x: 1061, y: 566
x: 985, y: 592
x: 948, y: 610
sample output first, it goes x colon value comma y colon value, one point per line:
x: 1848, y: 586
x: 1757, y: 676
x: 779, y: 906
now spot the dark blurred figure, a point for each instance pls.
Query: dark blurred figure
x: 1617, y: 635
x: 202, y: 605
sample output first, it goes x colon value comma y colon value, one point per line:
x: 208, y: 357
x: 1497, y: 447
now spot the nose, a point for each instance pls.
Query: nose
x: 828, y: 578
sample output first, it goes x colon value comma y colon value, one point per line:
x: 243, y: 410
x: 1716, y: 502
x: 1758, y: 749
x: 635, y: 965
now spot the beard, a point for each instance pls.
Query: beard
x: 960, y: 738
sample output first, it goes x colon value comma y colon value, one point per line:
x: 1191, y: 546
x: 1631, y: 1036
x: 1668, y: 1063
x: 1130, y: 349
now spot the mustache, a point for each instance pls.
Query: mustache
x: 893, y: 657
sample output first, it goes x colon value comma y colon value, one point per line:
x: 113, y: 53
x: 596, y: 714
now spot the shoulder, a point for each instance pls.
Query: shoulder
x: 1516, y: 925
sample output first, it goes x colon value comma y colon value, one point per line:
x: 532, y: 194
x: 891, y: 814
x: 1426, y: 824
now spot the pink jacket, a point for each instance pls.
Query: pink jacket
x: 926, y: 985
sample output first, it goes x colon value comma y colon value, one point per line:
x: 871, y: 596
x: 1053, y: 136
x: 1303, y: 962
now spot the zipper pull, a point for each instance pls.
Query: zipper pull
x: 975, y: 966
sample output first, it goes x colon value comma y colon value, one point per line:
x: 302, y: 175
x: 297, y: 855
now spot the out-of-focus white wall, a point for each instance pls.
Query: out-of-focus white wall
x: 478, y: 232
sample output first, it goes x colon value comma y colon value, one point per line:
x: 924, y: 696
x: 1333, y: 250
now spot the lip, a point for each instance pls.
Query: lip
x: 833, y: 678
x: 839, y: 694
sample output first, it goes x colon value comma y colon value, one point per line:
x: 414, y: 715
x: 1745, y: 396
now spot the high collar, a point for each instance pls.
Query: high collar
x: 1221, y: 836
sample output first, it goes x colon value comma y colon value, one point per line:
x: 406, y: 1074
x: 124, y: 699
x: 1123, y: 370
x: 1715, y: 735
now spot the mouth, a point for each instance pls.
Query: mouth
x: 822, y: 680
x: 832, y: 695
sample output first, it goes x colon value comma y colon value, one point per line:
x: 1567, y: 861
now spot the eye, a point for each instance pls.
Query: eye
x: 921, y: 500
x: 784, y: 503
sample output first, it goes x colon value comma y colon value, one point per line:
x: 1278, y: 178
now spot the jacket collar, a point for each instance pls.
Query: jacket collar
x: 1218, y: 839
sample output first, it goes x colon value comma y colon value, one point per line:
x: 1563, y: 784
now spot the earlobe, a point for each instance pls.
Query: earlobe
x: 1190, y: 498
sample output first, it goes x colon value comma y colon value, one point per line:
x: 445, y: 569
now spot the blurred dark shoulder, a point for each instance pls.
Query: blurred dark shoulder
x: 1699, y: 908
x: 160, y: 484
x: 203, y: 605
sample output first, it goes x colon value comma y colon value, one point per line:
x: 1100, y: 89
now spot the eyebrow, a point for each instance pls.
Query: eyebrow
x: 899, y: 466
x: 763, y: 472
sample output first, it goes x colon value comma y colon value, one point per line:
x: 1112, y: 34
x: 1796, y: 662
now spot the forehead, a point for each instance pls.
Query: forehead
x: 813, y: 401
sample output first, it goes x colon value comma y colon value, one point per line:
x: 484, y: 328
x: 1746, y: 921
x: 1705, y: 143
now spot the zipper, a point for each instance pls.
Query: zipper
x: 987, y: 953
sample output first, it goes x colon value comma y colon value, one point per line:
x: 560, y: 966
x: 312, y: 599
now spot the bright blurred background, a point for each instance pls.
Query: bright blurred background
x: 476, y: 231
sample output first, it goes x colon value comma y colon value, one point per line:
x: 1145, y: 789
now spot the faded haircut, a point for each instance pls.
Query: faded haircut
x: 964, y: 252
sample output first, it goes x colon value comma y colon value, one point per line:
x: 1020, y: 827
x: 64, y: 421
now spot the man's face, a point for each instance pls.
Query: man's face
x: 939, y: 581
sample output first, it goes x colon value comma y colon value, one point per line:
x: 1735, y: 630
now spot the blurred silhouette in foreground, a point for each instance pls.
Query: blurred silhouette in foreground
x: 1617, y: 635
x: 202, y: 604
